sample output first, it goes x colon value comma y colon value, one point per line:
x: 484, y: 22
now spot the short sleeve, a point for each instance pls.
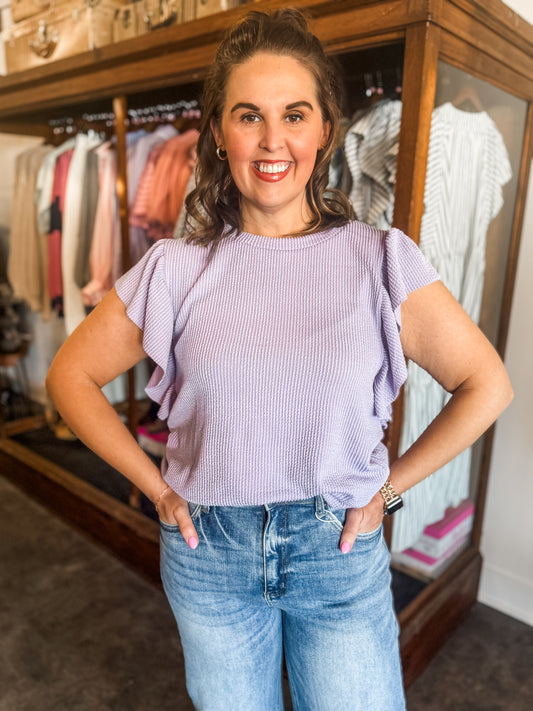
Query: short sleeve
x: 145, y: 293
x: 500, y: 172
x: 404, y: 270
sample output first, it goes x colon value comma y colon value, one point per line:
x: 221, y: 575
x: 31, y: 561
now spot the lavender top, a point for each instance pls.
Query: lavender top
x: 277, y: 360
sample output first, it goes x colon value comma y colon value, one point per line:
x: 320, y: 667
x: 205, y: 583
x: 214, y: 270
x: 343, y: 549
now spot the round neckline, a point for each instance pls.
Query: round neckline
x: 467, y: 115
x: 284, y: 243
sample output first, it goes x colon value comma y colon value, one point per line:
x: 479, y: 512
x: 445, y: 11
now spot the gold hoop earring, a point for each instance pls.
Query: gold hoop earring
x: 221, y: 153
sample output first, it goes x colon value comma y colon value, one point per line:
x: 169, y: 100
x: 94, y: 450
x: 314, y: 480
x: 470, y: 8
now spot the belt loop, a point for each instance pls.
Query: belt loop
x: 320, y: 505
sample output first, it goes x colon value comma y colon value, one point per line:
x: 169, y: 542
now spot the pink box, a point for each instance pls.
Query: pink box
x: 451, y: 519
x: 423, y: 563
x: 439, y: 540
x: 439, y: 537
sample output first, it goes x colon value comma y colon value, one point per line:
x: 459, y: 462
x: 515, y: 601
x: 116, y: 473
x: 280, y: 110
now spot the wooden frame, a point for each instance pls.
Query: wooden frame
x: 482, y: 37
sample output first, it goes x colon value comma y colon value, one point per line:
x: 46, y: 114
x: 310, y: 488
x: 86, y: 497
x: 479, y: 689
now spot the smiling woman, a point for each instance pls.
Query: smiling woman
x: 299, y: 109
x: 272, y: 129
x: 279, y: 329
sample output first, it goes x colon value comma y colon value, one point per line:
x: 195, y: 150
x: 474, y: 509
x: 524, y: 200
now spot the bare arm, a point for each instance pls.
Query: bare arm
x: 106, y: 344
x: 439, y: 336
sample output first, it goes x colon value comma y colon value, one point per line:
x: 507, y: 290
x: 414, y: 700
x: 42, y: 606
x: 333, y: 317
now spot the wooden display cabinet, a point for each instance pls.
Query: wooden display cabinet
x: 480, y: 41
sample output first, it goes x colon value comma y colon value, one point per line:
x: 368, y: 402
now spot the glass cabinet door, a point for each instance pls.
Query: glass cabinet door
x: 475, y: 150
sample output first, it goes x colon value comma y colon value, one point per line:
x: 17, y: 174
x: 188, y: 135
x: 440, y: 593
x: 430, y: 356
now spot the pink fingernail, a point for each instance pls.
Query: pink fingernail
x: 345, y: 547
x: 192, y: 542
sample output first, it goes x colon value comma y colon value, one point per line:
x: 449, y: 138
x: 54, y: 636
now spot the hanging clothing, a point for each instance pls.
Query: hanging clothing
x: 45, y: 185
x: 106, y: 234
x: 371, y: 149
x: 90, y: 191
x: 180, y: 231
x: 163, y: 186
x: 171, y: 177
x: 467, y: 167
x: 55, y: 278
x: 73, y: 306
x: 138, y: 155
x: 144, y: 189
x: 27, y: 268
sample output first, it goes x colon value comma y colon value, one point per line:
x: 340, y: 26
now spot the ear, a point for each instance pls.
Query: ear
x: 217, y: 133
x: 326, y: 130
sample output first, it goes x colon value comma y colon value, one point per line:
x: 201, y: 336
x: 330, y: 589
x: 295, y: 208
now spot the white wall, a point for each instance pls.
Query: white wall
x: 507, y: 542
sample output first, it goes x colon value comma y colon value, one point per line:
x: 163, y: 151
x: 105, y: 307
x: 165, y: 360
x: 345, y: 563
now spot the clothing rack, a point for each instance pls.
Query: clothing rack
x: 136, y: 117
x: 114, y: 124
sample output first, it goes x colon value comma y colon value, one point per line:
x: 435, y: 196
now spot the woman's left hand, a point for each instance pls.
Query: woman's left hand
x: 361, y: 520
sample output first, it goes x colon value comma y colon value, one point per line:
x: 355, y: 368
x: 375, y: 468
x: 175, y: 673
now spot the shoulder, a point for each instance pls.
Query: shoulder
x: 178, y: 255
x: 171, y: 262
x: 356, y: 231
x: 365, y: 241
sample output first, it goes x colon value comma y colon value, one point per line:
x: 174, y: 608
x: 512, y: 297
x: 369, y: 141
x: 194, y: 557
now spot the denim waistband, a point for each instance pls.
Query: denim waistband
x: 317, y: 501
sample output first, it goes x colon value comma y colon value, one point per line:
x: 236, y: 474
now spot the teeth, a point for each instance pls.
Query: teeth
x: 272, y: 167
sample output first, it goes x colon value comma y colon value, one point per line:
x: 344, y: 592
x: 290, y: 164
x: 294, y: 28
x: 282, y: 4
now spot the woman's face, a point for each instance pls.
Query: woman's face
x: 271, y: 129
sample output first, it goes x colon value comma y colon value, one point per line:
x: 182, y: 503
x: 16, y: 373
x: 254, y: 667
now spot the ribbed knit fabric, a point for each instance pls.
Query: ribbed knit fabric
x: 278, y: 360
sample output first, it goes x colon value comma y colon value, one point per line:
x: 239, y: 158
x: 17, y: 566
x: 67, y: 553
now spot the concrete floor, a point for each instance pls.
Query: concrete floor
x: 79, y: 631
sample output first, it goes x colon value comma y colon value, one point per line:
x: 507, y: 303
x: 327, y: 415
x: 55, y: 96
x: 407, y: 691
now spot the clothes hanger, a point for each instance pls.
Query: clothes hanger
x: 467, y: 99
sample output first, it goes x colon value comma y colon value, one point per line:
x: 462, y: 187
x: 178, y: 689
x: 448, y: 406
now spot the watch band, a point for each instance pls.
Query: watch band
x: 392, y: 500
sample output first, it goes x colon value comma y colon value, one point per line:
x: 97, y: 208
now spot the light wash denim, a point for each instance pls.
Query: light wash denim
x: 268, y: 581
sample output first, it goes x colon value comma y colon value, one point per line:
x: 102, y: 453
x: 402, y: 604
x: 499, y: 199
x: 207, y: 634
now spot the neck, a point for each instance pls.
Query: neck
x: 277, y: 227
x: 288, y: 224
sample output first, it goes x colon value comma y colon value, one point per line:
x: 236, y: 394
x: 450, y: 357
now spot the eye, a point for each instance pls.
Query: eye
x: 249, y: 118
x: 294, y: 117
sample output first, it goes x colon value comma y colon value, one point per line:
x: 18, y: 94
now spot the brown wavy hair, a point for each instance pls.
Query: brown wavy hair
x: 214, y: 203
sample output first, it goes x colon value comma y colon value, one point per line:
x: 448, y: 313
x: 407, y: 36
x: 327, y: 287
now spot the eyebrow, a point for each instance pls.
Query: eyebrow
x: 253, y: 107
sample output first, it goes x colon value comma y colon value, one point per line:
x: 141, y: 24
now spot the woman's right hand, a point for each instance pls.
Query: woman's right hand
x: 173, y: 509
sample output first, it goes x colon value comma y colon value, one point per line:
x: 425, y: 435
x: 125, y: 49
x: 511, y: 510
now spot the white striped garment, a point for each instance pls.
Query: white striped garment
x: 371, y: 149
x: 467, y: 166
x: 277, y: 360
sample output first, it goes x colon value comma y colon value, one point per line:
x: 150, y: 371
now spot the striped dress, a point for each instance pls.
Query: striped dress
x: 467, y: 167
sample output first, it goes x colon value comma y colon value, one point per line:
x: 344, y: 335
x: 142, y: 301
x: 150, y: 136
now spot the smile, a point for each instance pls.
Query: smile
x: 272, y: 167
x: 271, y: 171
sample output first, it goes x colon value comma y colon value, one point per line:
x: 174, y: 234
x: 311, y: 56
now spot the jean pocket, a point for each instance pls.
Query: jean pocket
x: 194, y: 510
x: 370, y: 535
x: 333, y: 516
x: 170, y: 527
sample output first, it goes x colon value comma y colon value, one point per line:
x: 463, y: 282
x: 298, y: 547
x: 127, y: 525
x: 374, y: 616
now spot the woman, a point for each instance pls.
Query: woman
x: 279, y: 329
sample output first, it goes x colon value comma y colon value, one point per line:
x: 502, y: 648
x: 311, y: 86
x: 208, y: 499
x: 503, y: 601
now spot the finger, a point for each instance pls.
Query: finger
x: 177, y: 509
x: 352, y: 524
x: 184, y: 521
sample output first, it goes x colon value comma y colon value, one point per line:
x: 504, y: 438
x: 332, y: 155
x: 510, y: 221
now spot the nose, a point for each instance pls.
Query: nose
x: 272, y: 137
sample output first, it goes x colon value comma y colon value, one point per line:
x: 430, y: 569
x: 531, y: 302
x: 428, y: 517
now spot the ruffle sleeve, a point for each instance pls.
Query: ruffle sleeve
x: 145, y: 293
x: 404, y: 269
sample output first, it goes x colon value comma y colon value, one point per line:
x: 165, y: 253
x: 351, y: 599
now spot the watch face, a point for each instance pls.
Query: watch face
x: 394, y: 506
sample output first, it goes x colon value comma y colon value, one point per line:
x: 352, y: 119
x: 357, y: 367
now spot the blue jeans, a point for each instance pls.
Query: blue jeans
x: 268, y: 581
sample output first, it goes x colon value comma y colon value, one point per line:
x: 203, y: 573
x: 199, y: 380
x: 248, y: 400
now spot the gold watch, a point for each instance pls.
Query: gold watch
x: 391, y: 500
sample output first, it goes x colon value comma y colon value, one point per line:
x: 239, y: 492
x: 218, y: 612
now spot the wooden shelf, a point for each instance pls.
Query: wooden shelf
x: 182, y: 53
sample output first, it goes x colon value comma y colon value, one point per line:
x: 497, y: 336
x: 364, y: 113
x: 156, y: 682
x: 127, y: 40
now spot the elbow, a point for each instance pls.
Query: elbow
x: 50, y: 382
x: 508, y: 394
x: 55, y: 379
x: 502, y: 392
